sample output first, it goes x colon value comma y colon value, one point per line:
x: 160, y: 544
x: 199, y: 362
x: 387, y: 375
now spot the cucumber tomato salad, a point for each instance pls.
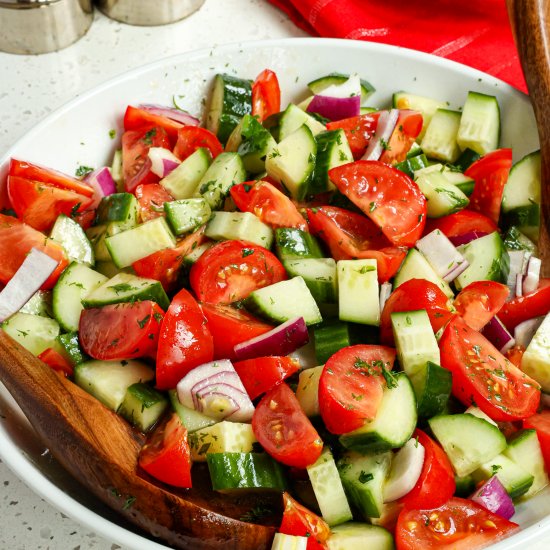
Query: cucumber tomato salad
x: 323, y: 295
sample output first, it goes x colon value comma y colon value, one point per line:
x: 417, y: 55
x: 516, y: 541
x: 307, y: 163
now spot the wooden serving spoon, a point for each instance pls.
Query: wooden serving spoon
x: 100, y: 449
x: 531, y: 25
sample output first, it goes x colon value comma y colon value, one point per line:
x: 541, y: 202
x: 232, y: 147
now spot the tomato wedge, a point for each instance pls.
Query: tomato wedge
x: 490, y: 174
x: 480, y: 301
x: 230, y: 326
x: 459, y: 524
x: 387, y: 196
x: 541, y: 423
x: 151, y: 198
x: 283, y: 429
x: 515, y: 355
x: 266, y: 95
x: 191, y: 138
x: 121, y: 331
x: 461, y: 223
x: 359, y: 131
x: 166, y: 455
x: 351, y: 386
x: 413, y: 295
x: 531, y: 305
x: 268, y: 203
x: 136, y: 118
x: 184, y: 341
x: 436, y: 484
x: 407, y: 129
x: 231, y: 270
x: 56, y: 361
x: 483, y: 376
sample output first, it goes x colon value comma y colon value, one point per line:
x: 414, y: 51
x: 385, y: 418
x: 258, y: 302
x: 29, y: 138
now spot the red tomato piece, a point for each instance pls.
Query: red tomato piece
x: 460, y: 223
x: 359, y: 131
x: 166, y: 455
x: 351, y: 235
x: 231, y: 270
x: 184, y: 341
x: 408, y: 127
x: 490, y: 174
x: 268, y: 203
x: 541, y: 423
x: 300, y: 522
x: 121, y: 331
x: 482, y: 375
x: 263, y: 373
x: 387, y: 196
x: 266, y: 95
x: 136, y: 119
x: 16, y: 241
x: 191, y: 138
x: 56, y: 361
x: 459, y: 524
x: 39, y: 204
x: 413, y: 295
x: 283, y: 429
x: 515, y: 355
x: 480, y: 301
x: 230, y: 326
x: 351, y: 386
x: 531, y: 305
x: 151, y: 198
x: 85, y: 219
x: 436, y: 484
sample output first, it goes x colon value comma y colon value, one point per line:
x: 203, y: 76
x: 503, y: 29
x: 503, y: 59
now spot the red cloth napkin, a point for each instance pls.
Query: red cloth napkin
x: 477, y: 34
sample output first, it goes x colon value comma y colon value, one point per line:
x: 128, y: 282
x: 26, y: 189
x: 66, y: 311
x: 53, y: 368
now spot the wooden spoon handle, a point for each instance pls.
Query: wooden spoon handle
x: 531, y: 26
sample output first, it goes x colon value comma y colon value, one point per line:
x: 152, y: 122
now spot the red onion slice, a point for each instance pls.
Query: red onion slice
x: 384, y: 129
x: 171, y: 113
x: 335, y: 108
x: 163, y: 161
x: 517, y: 267
x: 281, y: 340
x: 467, y: 237
x: 498, y: 335
x: 31, y: 275
x: 524, y: 332
x: 532, y: 277
x: 493, y: 496
x: 103, y: 184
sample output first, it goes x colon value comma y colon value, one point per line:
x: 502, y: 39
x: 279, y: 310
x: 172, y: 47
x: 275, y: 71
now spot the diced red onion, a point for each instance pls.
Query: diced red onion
x: 493, y: 496
x: 498, y: 335
x: 31, y: 275
x: 524, y: 332
x: 385, y: 292
x: 384, y: 129
x: 532, y: 277
x: 103, y: 184
x: 517, y: 267
x: 335, y: 108
x: 467, y: 237
x: 442, y: 255
x: 171, y: 113
x: 281, y: 340
x: 163, y: 161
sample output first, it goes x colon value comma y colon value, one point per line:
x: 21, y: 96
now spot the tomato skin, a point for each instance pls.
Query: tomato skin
x: 16, y: 240
x: 184, y: 341
x: 359, y: 131
x: 231, y: 270
x: 351, y: 372
x: 56, y: 361
x: 166, y: 455
x: 541, y: 423
x: 261, y: 374
x: 410, y: 296
x: 121, y: 331
x: 531, y: 305
x: 515, y: 355
x: 387, y: 196
x: 230, y: 326
x: 191, y: 138
x: 436, y: 484
x: 283, y: 429
x: 480, y: 301
x: 459, y: 524
x: 151, y: 198
x: 300, y: 522
x: 490, y: 174
x: 268, y: 203
x: 136, y: 119
x: 478, y: 367
x: 460, y: 223
x: 408, y: 127
x: 266, y: 95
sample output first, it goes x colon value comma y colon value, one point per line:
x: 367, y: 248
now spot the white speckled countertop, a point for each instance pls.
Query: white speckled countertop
x: 33, y: 86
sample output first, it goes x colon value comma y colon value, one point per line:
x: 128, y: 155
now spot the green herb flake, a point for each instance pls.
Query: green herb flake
x: 365, y: 477
x: 82, y: 171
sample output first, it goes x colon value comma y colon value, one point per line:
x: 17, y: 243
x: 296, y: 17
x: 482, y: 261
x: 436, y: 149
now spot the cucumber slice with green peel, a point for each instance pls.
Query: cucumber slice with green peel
x: 108, y: 381
x: 319, y: 275
x: 443, y: 198
x: 185, y: 215
x: 134, y: 244
x: 466, y: 159
x: 414, y: 150
x: 359, y: 536
x: 440, y: 139
x: 230, y: 100
x: 125, y: 287
x: 452, y: 175
x: 222, y: 437
x: 363, y: 478
x: 307, y: 390
x: 319, y: 84
x: 295, y: 244
x: 413, y: 164
x: 118, y: 207
x: 282, y: 541
x: 255, y: 145
x: 468, y: 441
x: 182, y: 182
x: 143, y: 406
x: 235, y: 472
x: 536, y: 359
x: 71, y: 349
x: 34, y: 332
x: 97, y: 236
x: 40, y: 303
x: 488, y: 259
x: 292, y: 162
x: 358, y: 291
x: 293, y: 118
x: 479, y: 124
x: 333, y: 335
x: 328, y: 489
x: 285, y: 300
x: 465, y: 486
x: 394, y: 422
x: 192, y: 420
x: 70, y: 235
x: 432, y: 385
x: 240, y: 226
x: 76, y: 282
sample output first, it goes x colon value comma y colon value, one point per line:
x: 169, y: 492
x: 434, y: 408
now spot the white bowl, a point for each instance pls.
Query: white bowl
x: 78, y: 134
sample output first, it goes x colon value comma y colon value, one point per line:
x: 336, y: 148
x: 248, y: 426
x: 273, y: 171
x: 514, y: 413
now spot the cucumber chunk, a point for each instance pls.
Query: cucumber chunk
x: 440, y: 140
x: 256, y: 143
x: 335, y: 79
x: 192, y: 420
x: 319, y: 275
x: 70, y: 235
x: 239, y: 226
x: 293, y: 117
x: 142, y: 406
x: 359, y: 536
x: 222, y: 437
x: 307, y: 391
x: 183, y: 181
x: 536, y: 359
x: 332, y: 150
x: 70, y: 348
x: 295, y: 244
x: 40, y: 303
x: 34, y: 332
x: 479, y: 124
x: 443, y: 198
x: 185, y: 215
x: 118, y: 207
